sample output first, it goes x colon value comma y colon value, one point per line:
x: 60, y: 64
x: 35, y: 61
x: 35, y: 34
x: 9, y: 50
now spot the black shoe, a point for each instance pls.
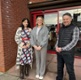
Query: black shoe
x: 22, y: 71
x: 21, y: 76
x: 27, y: 67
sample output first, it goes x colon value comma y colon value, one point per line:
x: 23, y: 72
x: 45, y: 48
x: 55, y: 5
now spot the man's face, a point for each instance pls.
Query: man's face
x: 67, y: 20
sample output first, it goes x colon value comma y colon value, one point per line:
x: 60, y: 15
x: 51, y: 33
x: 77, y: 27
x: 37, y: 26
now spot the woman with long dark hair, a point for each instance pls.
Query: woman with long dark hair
x: 24, y: 53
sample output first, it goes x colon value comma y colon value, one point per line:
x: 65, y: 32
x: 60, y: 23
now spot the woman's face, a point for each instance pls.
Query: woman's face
x: 25, y: 23
x: 39, y: 21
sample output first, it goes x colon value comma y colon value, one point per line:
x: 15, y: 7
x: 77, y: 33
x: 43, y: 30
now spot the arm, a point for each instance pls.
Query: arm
x: 56, y: 45
x: 18, y: 39
x: 32, y: 39
x: 45, y: 38
x: 74, y: 41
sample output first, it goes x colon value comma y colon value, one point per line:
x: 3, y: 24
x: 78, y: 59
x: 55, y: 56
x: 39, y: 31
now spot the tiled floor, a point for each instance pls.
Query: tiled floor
x: 13, y: 74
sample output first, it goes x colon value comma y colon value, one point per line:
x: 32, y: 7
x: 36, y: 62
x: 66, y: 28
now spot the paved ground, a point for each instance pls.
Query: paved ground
x: 13, y: 74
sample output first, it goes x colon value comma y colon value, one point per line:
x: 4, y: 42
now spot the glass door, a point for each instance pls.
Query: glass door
x: 51, y: 21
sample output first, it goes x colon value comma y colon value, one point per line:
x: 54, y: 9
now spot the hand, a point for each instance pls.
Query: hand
x: 58, y: 49
x: 39, y: 48
x: 24, y: 46
x: 29, y: 30
x: 21, y: 44
x: 27, y: 45
x: 35, y: 47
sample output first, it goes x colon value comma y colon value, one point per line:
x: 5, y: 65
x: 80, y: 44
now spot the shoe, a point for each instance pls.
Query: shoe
x: 21, y: 76
x: 37, y: 76
x: 41, y: 77
x: 27, y: 68
x: 21, y: 71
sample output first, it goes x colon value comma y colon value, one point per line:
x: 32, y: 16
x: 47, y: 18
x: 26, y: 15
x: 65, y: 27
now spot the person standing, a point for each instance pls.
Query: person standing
x: 67, y: 39
x: 39, y: 40
x: 24, y: 54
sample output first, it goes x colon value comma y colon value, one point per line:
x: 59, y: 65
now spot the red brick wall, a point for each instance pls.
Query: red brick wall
x: 35, y: 1
x: 12, y: 13
x: 1, y: 42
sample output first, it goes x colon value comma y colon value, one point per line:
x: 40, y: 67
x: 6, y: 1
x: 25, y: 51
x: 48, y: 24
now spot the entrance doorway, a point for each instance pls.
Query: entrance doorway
x: 51, y: 22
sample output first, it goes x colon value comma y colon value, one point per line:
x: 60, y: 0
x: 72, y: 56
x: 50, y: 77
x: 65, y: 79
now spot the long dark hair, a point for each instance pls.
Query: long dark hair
x: 22, y: 26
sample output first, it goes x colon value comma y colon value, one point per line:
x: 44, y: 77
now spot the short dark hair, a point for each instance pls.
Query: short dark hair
x: 68, y: 14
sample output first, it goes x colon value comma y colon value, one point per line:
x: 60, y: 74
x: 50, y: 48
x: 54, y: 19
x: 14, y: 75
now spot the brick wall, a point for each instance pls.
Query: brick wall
x: 36, y: 1
x: 1, y: 42
x: 12, y: 13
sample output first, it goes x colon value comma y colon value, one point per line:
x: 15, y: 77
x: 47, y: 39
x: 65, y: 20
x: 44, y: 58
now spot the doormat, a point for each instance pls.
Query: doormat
x: 26, y: 79
x: 30, y: 79
x: 51, y: 52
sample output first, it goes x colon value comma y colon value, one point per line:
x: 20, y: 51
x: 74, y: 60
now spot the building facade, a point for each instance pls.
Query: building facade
x: 52, y: 11
x: 12, y: 12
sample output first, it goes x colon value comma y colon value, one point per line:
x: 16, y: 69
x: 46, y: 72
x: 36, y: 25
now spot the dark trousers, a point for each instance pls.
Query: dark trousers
x: 68, y: 60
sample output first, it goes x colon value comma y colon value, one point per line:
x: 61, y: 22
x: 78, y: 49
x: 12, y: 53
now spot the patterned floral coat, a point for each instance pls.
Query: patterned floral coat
x: 24, y: 56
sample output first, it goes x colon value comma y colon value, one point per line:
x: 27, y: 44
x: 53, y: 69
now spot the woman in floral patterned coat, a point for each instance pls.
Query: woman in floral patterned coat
x: 24, y: 53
